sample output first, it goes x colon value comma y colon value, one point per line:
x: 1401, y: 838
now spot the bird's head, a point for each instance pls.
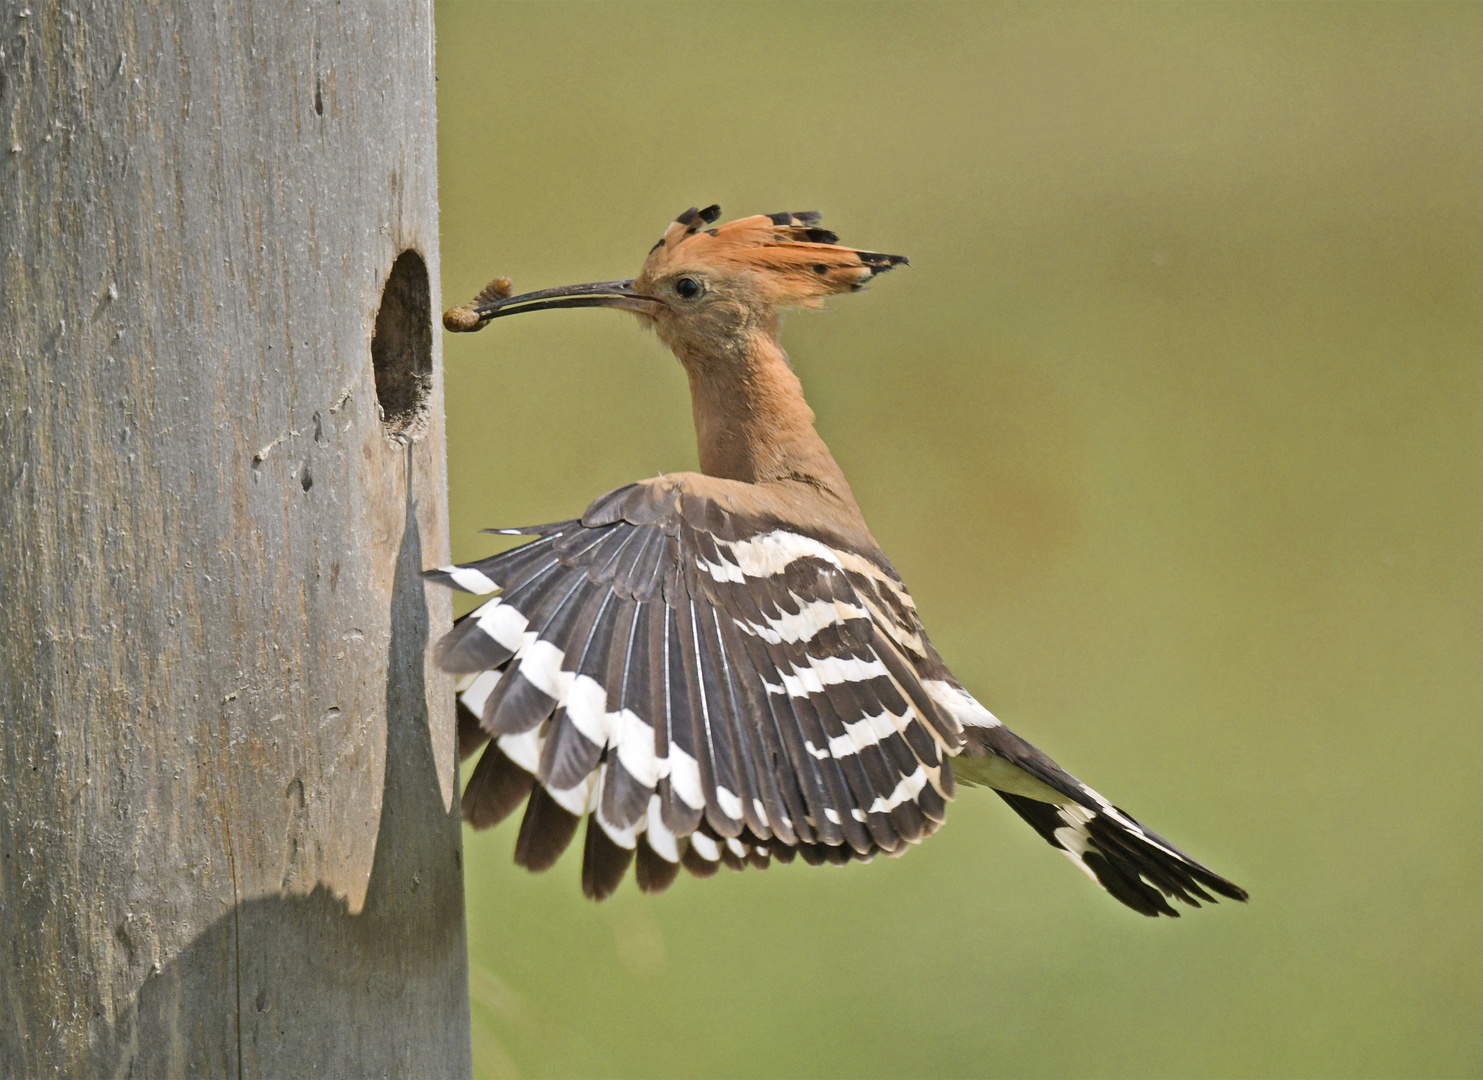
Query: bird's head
x: 705, y: 288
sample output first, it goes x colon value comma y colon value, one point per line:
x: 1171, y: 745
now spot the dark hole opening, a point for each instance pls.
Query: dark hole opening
x: 402, y: 347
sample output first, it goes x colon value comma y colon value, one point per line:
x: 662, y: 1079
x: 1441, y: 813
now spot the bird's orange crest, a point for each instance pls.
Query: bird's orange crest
x: 795, y: 262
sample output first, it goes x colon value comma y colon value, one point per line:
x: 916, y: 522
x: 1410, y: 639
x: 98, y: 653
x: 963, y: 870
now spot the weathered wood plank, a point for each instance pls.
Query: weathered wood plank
x: 228, y: 839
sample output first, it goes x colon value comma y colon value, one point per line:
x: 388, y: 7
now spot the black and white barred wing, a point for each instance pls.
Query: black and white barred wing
x: 707, y: 686
x: 862, y: 743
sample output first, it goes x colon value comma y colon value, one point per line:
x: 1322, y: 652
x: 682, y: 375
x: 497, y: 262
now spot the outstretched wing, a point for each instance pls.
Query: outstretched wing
x: 708, y: 684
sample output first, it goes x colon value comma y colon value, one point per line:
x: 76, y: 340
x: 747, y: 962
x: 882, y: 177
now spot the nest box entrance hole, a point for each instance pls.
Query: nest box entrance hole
x: 402, y: 347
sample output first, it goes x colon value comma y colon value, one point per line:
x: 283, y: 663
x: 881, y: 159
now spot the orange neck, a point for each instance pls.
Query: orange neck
x: 751, y: 422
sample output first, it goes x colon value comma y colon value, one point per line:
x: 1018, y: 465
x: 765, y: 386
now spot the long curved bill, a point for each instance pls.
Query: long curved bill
x: 490, y: 305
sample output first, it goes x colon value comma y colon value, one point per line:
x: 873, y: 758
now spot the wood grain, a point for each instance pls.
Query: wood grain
x: 229, y: 842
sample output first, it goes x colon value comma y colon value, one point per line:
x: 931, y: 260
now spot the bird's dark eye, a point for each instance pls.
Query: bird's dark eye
x: 687, y: 288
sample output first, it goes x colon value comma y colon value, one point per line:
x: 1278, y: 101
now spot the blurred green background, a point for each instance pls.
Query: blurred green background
x: 1175, y: 428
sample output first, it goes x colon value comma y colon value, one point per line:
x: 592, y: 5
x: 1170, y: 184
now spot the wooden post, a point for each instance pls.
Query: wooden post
x: 229, y: 842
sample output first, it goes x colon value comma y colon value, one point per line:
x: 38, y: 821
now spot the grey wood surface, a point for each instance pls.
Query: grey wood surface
x: 229, y: 842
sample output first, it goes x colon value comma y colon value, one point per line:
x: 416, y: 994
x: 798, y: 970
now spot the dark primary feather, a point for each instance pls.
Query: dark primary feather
x: 495, y: 789
x: 603, y: 863
x: 545, y: 831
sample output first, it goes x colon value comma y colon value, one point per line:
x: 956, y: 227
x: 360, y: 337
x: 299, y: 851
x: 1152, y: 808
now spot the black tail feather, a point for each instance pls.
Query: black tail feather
x: 1139, y: 868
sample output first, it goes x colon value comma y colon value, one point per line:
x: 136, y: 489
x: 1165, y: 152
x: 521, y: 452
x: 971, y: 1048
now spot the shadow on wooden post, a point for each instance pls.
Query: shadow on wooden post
x: 310, y: 954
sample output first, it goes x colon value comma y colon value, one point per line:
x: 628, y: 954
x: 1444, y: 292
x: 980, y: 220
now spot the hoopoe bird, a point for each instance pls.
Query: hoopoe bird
x: 723, y: 666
